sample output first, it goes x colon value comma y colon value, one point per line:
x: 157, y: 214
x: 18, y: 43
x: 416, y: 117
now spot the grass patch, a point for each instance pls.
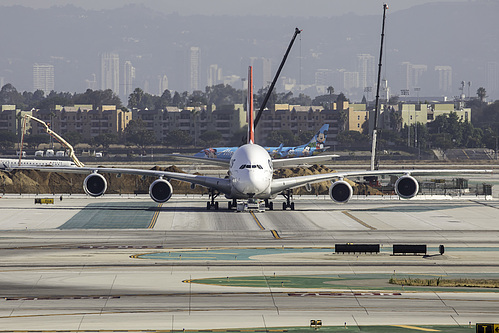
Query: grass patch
x: 441, y: 282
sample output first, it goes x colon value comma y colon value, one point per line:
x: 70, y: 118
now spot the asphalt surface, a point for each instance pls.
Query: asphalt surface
x: 127, y: 263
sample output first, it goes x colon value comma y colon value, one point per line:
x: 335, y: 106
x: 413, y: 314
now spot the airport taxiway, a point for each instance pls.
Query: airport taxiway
x: 127, y: 263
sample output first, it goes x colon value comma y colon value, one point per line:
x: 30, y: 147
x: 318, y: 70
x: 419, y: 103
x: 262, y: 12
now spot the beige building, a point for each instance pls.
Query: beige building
x: 357, y: 115
x: 83, y: 119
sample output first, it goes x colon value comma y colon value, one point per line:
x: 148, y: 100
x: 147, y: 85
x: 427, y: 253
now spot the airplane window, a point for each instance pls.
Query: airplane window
x: 259, y: 166
x: 253, y: 166
x: 242, y: 166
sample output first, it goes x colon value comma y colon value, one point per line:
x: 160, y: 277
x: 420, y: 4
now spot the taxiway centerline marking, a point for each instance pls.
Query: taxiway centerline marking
x: 356, y: 219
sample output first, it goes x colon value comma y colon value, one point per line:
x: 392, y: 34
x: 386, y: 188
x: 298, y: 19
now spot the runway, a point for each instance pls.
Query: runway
x: 178, y: 266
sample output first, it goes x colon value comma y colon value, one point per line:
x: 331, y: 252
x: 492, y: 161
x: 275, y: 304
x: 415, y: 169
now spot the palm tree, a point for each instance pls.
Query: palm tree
x: 482, y: 94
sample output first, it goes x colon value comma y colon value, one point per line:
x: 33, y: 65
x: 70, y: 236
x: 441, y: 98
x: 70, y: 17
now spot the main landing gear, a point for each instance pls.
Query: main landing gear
x: 212, y: 203
x: 288, y: 195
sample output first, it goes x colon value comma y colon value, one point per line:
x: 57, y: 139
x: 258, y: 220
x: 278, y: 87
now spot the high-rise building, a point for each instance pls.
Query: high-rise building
x: 110, y: 72
x: 194, y: 68
x: 350, y: 80
x: 413, y: 75
x: 163, y: 84
x: 366, y: 69
x: 128, y: 78
x: 214, y: 76
x: 444, y: 78
x: 262, y: 71
x: 43, y: 78
x: 493, y: 79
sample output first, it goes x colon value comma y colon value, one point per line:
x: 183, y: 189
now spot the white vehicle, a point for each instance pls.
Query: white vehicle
x: 39, y: 153
x: 49, y: 153
x: 250, y: 177
x: 60, y: 153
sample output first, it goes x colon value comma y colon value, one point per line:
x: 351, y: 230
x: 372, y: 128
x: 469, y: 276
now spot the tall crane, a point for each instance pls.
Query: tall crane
x: 59, y: 138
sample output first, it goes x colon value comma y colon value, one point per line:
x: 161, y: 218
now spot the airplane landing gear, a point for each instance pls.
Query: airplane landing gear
x: 212, y: 203
x: 232, y: 204
x: 269, y: 204
x: 288, y: 195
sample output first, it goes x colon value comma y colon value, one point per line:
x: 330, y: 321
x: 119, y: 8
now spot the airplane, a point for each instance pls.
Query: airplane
x: 250, y: 177
x: 311, y: 148
x: 10, y: 163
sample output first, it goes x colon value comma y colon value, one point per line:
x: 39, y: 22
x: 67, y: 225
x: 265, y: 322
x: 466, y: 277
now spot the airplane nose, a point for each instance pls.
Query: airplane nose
x: 253, y: 183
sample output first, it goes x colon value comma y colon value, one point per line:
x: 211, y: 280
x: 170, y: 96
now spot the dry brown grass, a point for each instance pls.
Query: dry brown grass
x: 441, y: 282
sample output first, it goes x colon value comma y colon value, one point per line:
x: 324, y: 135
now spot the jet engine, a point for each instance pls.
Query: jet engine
x: 340, y: 191
x: 406, y: 187
x: 160, y: 190
x: 95, y: 184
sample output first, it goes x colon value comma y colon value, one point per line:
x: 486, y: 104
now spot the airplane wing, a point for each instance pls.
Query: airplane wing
x: 282, y: 162
x: 220, y: 184
x: 282, y: 184
x: 204, y: 160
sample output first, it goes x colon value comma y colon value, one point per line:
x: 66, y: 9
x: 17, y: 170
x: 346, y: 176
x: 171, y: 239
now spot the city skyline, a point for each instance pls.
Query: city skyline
x: 225, y: 46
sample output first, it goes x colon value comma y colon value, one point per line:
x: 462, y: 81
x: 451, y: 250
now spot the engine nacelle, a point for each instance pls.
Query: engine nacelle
x: 406, y: 187
x: 160, y: 190
x: 340, y: 191
x: 95, y: 184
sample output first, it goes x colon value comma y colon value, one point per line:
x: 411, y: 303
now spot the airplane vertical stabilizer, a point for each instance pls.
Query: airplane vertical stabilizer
x: 251, y: 127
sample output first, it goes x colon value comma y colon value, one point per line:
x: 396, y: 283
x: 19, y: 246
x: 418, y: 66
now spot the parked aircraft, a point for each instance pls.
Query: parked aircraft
x: 250, y: 177
x: 313, y: 147
x: 10, y: 163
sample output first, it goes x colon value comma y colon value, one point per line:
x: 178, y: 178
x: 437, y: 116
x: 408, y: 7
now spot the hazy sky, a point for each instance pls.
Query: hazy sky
x: 241, y: 7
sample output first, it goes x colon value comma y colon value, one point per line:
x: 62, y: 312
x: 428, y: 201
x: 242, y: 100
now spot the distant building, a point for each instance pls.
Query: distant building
x: 214, y: 76
x: 128, y: 78
x: 83, y: 119
x: 194, y: 68
x: 227, y: 120
x: 357, y: 115
x: 367, y: 70
x: 43, y: 78
x: 162, y: 85
x: 11, y: 119
x: 444, y: 75
x: 110, y: 72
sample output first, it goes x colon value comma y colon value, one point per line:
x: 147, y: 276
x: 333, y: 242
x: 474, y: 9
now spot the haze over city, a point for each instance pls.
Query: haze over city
x: 431, y: 48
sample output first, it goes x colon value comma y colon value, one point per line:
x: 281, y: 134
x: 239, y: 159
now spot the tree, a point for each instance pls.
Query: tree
x: 137, y: 133
x: 330, y: 90
x: 7, y: 140
x: 211, y: 138
x: 178, y: 138
x: 352, y: 138
x: 482, y: 94
x: 105, y: 140
x: 36, y: 139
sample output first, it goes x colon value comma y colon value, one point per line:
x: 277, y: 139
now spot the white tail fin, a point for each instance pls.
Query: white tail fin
x: 251, y: 127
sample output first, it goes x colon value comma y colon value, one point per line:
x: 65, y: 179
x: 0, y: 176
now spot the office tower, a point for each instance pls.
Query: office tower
x: 413, y: 75
x: 444, y: 78
x: 163, y: 84
x: 366, y: 69
x: 492, y: 77
x: 194, y: 68
x: 128, y: 78
x: 262, y: 70
x: 214, y: 75
x: 350, y: 80
x: 43, y: 78
x: 110, y: 72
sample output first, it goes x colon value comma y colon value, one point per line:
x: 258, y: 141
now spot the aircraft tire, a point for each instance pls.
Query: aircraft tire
x: 292, y: 206
x: 208, y: 205
x: 284, y: 206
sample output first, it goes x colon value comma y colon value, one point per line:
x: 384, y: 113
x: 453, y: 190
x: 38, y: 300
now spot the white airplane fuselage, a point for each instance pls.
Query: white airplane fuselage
x: 7, y: 163
x: 250, y: 172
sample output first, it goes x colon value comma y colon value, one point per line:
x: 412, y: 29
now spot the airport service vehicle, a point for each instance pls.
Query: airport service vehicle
x: 250, y: 177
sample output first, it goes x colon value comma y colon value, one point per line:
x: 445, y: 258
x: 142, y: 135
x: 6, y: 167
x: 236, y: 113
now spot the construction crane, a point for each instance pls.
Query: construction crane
x: 56, y: 136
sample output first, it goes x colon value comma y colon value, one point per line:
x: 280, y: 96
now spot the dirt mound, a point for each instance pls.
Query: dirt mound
x: 35, y: 182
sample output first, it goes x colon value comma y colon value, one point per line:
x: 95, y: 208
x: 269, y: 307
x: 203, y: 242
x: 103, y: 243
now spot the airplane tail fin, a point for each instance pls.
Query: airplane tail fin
x: 251, y: 127
x: 319, y: 138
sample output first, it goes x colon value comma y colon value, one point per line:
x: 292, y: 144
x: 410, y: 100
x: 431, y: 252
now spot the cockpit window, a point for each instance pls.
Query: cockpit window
x: 250, y: 166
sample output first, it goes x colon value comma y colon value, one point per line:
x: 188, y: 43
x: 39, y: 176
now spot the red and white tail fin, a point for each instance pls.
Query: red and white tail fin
x: 251, y: 127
